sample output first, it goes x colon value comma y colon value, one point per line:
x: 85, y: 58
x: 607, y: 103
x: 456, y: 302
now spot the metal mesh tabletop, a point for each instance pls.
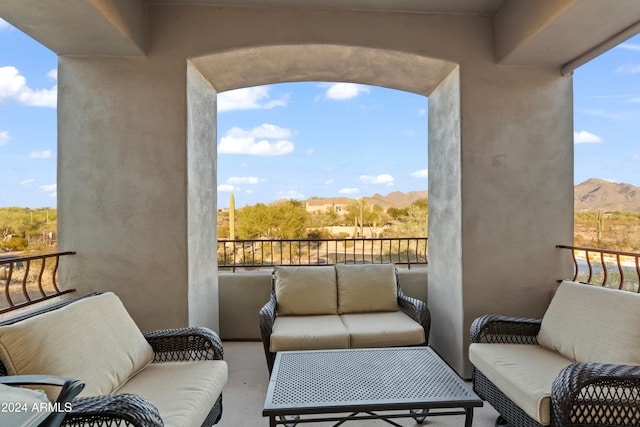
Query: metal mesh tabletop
x: 388, y: 378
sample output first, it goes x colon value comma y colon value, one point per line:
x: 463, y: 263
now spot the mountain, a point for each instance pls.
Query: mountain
x: 590, y: 196
x: 397, y: 199
x: 597, y: 194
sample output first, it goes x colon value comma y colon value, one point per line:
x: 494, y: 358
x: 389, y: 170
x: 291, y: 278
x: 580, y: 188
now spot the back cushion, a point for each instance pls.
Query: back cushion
x: 305, y: 290
x: 366, y: 288
x: 93, y: 339
x: 589, y: 323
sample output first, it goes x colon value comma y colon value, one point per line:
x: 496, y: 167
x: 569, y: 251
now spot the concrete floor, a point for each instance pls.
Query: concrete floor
x: 244, y: 394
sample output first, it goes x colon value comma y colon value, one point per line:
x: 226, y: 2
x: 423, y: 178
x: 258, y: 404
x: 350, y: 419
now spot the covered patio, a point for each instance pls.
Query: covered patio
x: 138, y: 81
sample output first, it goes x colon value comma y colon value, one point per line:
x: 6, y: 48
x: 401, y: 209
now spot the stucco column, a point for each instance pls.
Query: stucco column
x: 131, y: 190
x: 500, y: 197
x: 202, y: 200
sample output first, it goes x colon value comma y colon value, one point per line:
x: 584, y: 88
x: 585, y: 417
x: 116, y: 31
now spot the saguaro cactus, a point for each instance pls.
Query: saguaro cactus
x: 599, y: 226
x: 232, y: 218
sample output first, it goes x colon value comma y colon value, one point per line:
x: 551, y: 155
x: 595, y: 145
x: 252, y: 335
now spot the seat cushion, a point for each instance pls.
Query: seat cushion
x: 183, y: 392
x: 93, y: 340
x: 389, y: 329
x: 364, y: 288
x: 308, y: 333
x: 589, y: 323
x: 305, y: 290
x: 524, y: 373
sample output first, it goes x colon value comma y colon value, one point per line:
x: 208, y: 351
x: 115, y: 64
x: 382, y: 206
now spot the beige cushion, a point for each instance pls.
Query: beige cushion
x: 366, y: 288
x: 94, y: 340
x: 524, y: 373
x: 306, y: 290
x: 589, y: 323
x: 308, y: 333
x: 183, y: 392
x: 390, y: 329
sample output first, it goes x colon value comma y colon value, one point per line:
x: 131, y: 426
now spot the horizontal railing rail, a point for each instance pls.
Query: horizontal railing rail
x: 233, y: 254
x: 29, y: 279
x: 611, y: 268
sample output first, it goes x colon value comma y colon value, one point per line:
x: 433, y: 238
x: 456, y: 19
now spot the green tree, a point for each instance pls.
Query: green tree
x: 291, y: 218
x: 415, y: 223
x: 281, y: 220
x: 253, y: 222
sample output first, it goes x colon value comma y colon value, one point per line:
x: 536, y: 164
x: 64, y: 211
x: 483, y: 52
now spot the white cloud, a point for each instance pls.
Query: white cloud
x: 422, y: 173
x: 265, y: 130
x: 4, y: 137
x: 291, y: 194
x: 584, y: 137
x: 27, y: 181
x: 634, y: 100
x: 328, y: 182
x: 349, y: 191
x: 53, y: 74
x: 227, y: 188
x: 630, y: 46
x: 309, y: 151
x: 629, y: 69
x: 422, y: 112
x: 44, y: 154
x: 4, y: 24
x: 249, y: 98
x: 635, y: 157
x: 250, y: 180
x: 240, y: 141
x: 47, y: 188
x: 13, y: 86
x: 384, y: 178
x: 344, y: 91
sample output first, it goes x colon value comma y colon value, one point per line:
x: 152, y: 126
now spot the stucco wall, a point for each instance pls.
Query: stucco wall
x: 445, y: 220
x: 122, y: 183
x: 201, y: 200
x: 125, y: 174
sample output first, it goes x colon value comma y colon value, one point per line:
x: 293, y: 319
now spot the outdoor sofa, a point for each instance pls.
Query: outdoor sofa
x: 337, y: 307
x: 577, y: 366
x: 170, y: 377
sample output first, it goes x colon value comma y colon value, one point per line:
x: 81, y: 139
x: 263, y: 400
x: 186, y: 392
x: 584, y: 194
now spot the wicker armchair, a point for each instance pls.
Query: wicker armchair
x: 186, y: 344
x: 583, y: 394
x: 415, y: 309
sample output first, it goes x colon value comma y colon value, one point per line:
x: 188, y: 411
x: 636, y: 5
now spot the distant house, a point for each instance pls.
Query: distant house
x: 336, y: 204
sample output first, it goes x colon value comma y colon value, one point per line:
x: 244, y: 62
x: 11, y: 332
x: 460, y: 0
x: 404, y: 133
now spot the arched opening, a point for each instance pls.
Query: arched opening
x: 437, y: 79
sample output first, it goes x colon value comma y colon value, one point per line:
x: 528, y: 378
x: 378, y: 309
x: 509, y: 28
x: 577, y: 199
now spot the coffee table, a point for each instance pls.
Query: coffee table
x: 365, y: 384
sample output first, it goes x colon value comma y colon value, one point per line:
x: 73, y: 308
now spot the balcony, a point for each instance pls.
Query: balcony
x: 138, y: 82
x: 245, y: 288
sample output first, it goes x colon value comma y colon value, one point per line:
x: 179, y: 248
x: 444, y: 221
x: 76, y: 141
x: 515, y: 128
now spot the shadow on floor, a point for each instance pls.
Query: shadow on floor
x: 243, y: 396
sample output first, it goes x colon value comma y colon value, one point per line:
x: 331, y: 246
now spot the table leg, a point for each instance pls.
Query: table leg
x: 419, y: 415
x: 468, y: 420
x: 292, y: 422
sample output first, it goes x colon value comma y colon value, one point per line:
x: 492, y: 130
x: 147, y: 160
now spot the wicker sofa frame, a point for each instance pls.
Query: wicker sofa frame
x: 583, y: 394
x: 414, y: 308
x: 169, y: 345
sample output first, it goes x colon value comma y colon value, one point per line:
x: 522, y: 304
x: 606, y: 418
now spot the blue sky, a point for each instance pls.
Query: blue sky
x: 299, y: 140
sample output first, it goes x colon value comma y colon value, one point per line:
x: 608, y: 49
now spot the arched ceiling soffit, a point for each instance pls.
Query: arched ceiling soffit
x: 299, y: 63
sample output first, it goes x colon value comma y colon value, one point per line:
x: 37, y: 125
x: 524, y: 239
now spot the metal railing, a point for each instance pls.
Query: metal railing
x: 26, y: 280
x: 610, y: 268
x: 407, y: 251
